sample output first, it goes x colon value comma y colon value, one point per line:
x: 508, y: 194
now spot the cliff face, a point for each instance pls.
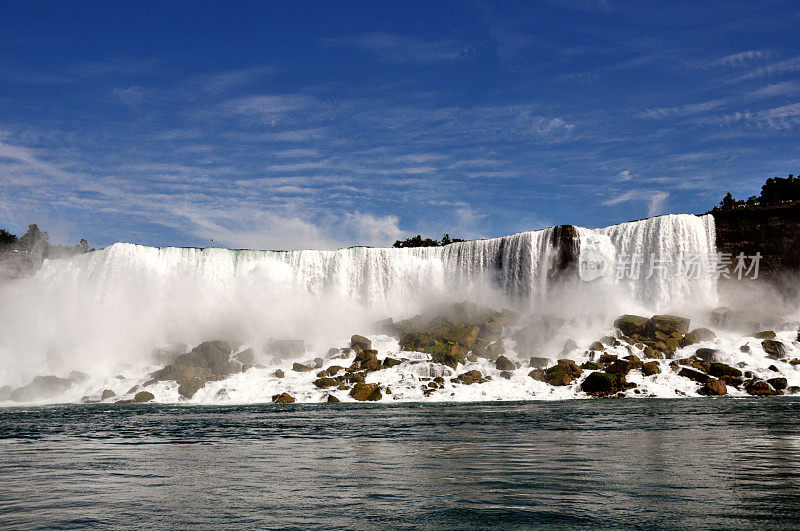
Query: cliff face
x: 772, y: 231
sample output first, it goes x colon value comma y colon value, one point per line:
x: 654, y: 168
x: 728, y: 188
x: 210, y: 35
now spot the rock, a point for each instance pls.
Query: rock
x: 591, y: 366
x: 391, y: 362
x: 569, y: 346
x: 760, y: 388
x: 774, y: 349
x: 672, y: 344
x: 368, y: 360
x: 562, y: 374
x: 713, y: 388
x: 604, y: 384
x: 299, y: 367
x: 793, y: 390
x: 283, y: 398
x: 504, y: 364
x: 720, y: 370
x: 607, y: 358
x: 323, y: 383
x: 689, y: 339
x: 633, y: 361
x: 745, y: 349
x: 143, y: 396
x: 469, y: 377
x: 361, y: 342
x: 286, y: 348
x: 703, y: 334
x: 651, y: 353
x: 766, y: 334
x: 206, y: 360
x: 318, y: 363
x: 333, y: 400
x: 697, y: 376
x: 494, y: 350
x: 611, y: 341
x: 279, y: 374
x: 720, y: 316
x: 246, y: 357
x: 189, y: 386
x: 778, y: 383
x: 537, y: 374
x: 596, y: 346
x: 619, y: 367
x: 650, y: 368
x: 708, y: 354
x: 78, y: 376
x: 539, y: 363
x: 450, y: 358
x: 631, y: 325
x: 41, y: 388
x: 332, y: 370
x: 472, y: 358
x: 773, y: 368
x: 670, y: 325
x: 366, y: 392
x: 107, y: 393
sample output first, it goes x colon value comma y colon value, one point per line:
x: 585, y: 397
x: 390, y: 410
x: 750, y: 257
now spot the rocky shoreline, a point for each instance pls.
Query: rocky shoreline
x: 437, y: 356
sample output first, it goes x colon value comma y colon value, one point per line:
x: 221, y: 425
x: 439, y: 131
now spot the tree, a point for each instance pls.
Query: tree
x: 7, y: 240
x: 728, y: 202
x: 752, y: 201
x: 35, y: 241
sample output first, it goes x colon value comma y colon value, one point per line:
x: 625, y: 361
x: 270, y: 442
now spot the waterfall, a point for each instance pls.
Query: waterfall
x: 115, y: 303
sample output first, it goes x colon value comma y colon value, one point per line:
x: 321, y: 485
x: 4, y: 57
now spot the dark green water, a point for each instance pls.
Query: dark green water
x: 597, y: 463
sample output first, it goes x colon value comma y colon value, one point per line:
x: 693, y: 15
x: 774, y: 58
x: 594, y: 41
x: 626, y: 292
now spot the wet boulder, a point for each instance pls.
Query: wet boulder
x: 323, y: 383
x: 360, y: 342
x: 562, y: 374
x: 364, y: 392
x: 143, y: 396
x: 299, y: 367
x: 539, y: 363
x: 368, y: 360
x: 760, y: 388
x: 708, y: 354
x: 671, y: 325
x: 391, y: 362
x: 604, y: 384
x: 778, y: 384
x: 246, y: 357
x: 279, y: 374
x: 469, y: 377
x: 692, y: 374
x: 41, y: 388
x: 504, y: 364
x: 283, y: 398
x: 720, y: 370
x: 188, y: 387
x: 774, y: 349
x: 631, y: 325
x: 650, y: 368
x: 206, y: 360
x: 107, y: 393
x: 619, y: 367
x: 633, y: 361
x: 766, y: 334
x: 703, y: 334
x: 597, y: 346
x: 591, y: 366
x: 713, y: 388
x: 333, y: 400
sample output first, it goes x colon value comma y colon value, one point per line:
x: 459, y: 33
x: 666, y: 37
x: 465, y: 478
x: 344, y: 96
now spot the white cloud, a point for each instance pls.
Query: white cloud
x: 742, y: 58
x: 655, y: 200
x: 406, y: 49
x: 624, y: 176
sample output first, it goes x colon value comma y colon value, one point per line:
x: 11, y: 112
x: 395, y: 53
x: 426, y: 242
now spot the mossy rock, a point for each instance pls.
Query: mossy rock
x: 143, y: 396
x: 689, y: 339
x: 774, y: 349
x: 450, y: 358
x: 631, y: 325
x: 541, y: 363
x: 692, y: 374
x: 591, y: 366
x: 504, y: 364
x: 469, y: 377
x: 671, y: 325
x: 333, y: 400
x: 187, y: 388
x: 279, y: 374
x: 361, y: 342
x: 703, y: 334
x: 607, y: 358
x: 633, y: 361
x: 107, y: 393
x: 323, y: 383
x: 651, y: 353
x: 364, y: 392
x: 562, y: 374
x: 708, y: 354
x: 597, y: 345
x: 368, y: 360
x: 760, y: 388
x: 391, y: 362
x: 299, y: 367
x: 778, y: 384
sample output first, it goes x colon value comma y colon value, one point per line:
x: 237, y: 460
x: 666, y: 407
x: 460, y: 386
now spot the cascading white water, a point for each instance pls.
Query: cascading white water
x: 102, y: 309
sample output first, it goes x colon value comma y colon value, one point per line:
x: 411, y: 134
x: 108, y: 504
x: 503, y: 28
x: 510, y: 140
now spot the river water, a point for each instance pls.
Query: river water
x: 732, y: 463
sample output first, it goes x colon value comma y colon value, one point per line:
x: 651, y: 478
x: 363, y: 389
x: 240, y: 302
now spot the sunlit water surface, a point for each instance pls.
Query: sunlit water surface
x: 625, y: 463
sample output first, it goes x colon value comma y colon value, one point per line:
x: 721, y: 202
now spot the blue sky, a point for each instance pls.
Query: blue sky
x: 318, y: 125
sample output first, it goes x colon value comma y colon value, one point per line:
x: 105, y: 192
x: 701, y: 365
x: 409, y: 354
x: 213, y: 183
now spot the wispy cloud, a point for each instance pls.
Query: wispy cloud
x: 791, y: 64
x: 660, y: 113
x: 783, y: 117
x: 655, y: 200
x: 406, y: 49
x: 743, y: 58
